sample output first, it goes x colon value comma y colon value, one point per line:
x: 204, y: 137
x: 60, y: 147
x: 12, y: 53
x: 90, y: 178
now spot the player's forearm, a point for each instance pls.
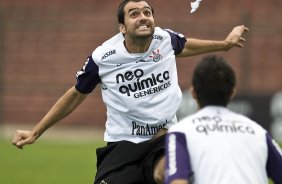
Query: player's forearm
x: 63, y: 107
x: 195, y: 47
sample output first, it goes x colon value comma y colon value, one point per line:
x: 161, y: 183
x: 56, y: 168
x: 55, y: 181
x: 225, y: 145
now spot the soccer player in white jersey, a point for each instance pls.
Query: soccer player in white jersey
x: 137, y: 72
x: 216, y: 145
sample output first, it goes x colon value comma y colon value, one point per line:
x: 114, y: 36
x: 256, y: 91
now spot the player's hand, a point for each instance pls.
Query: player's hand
x: 23, y: 137
x: 235, y: 37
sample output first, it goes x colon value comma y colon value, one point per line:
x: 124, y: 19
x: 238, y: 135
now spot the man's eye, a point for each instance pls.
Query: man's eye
x: 148, y: 13
x: 134, y: 14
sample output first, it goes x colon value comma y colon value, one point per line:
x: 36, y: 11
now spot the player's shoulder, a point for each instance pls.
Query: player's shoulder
x: 108, y: 47
x: 113, y: 41
x: 160, y: 31
x: 183, y: 125
x: 247, y: 121
x: 165, y: 32
x: 255, y: 125
x: 175, y: 34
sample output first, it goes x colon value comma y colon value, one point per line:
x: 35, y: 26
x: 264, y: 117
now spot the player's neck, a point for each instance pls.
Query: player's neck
x: 137, y: 45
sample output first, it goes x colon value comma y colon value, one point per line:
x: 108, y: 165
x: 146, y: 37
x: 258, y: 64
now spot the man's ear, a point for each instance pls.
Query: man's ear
x: 193, y: 92
x: 122, y: 28
x: 234, y: 92
x: 194, y: 95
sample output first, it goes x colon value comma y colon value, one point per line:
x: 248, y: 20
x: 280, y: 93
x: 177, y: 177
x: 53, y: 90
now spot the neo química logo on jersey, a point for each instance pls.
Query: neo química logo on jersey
x: 134, y: 83
x: 207, y: 125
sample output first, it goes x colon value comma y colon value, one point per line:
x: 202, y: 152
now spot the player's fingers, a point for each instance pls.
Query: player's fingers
x: 242, y: 28
x: 16, y: 142
x: 240, y: 45
x: 17, y: 137
x: 19, y: 146
x: 21, y: 138
x: 242, y: 39
x: 245, y: 29
x: 21, y: 143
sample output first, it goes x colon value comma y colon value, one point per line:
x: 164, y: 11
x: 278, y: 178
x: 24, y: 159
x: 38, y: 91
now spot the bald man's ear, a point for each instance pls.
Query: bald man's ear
x: 122, y: 28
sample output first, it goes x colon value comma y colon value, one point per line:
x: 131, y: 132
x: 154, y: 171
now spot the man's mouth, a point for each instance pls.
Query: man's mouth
x: 143, y: 27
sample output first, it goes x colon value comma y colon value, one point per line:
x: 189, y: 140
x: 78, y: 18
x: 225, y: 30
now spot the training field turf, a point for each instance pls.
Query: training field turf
x: 48, y: 162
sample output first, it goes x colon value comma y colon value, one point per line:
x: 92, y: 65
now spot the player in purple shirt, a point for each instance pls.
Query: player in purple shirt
x: 216, y: 145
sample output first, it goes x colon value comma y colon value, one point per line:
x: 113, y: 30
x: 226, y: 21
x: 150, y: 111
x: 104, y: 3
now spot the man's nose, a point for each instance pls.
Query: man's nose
x: 143, y: 17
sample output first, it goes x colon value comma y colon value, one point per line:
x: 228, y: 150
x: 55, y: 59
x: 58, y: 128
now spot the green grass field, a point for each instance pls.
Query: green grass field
x: 48, y: 162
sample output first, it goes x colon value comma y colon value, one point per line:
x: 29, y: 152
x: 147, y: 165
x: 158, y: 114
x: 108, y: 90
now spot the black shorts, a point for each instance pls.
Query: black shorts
x: 125, y: 162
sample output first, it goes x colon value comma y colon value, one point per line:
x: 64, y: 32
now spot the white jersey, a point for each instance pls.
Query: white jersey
x: 141, y: 90
x: 217, y: 146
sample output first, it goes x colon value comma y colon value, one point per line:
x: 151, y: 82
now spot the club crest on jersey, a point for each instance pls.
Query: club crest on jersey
x: 156, y: 56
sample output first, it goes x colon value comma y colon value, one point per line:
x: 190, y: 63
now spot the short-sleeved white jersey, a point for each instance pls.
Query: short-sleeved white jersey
x: 218, y: 146
x: 140, y: 90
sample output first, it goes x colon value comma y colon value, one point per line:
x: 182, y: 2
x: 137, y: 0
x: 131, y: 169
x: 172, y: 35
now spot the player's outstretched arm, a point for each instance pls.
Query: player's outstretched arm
x: 63, y: 107
x: 196, y: 46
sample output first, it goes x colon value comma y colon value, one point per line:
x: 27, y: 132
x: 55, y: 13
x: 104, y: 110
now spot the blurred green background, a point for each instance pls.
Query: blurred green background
x: 48, y: 162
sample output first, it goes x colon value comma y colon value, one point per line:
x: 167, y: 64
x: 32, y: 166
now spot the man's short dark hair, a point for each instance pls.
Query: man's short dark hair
x: 213, y: 81
x: 120, y: 12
